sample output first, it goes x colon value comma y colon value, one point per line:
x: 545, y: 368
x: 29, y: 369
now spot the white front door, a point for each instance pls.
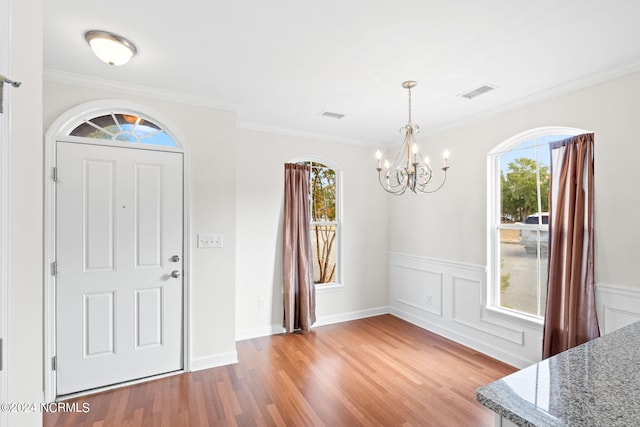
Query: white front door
x: 119, y: 234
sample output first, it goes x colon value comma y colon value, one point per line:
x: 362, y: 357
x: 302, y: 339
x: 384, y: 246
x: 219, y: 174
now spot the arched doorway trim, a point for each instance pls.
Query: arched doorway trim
x: 61, y: 129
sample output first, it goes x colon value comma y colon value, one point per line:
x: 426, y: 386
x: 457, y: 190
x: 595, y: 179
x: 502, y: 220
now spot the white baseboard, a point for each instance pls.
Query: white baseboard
x: 466, y: 340
x: 214, y: 361
x: 265, y: 331
x: 247, y: 334
x: 352, y: 315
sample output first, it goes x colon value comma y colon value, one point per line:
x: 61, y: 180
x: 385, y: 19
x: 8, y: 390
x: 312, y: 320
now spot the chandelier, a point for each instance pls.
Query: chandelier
x: 409, y: 170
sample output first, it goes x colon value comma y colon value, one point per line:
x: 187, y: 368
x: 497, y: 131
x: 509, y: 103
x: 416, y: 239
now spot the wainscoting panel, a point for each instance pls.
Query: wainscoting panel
x: 448, y: 298
x: 617, y: 306
x: 420, y: 288
x: 468, y: 310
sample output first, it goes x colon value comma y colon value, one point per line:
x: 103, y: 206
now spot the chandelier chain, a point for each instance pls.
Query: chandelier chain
x: 410, y: 123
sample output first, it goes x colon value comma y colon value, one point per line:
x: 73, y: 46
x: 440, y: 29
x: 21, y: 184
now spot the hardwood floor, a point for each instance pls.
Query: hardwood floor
x: 379, y: 371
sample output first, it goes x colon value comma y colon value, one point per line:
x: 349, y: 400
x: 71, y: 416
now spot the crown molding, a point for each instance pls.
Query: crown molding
x: 545, y: 95
x: 141, y: 90
x: 256, y: 127
x: 166, y: 95
x: 575, y: 85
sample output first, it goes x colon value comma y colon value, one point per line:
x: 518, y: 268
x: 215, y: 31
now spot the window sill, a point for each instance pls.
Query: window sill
x: 502, y: 314
x: 329, y: 287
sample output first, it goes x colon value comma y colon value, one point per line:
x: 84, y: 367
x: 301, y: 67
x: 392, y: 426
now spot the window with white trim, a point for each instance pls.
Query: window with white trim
x: 518, y: 192
x: 325, y: 227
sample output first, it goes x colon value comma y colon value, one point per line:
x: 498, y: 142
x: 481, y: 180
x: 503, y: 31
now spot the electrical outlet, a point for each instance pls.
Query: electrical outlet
x: 210, y: 240
x: 260, y: 303
x: 429, y: 301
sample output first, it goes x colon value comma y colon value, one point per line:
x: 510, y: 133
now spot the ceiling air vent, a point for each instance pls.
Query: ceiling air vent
x: 332, y: 115
x: 478, y: 91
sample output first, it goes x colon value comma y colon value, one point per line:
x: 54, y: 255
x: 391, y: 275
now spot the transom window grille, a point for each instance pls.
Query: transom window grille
x: 124, y: 128
x: 325, y: 223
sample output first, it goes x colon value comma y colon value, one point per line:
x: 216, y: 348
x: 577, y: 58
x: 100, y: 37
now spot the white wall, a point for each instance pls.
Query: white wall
x: 24, y: 341
x: 259, y: 232
x: 211, y: 136
x: 452, y: 225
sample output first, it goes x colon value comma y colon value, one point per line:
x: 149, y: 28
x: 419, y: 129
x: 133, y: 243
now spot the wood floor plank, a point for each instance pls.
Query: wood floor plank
x: 379, y: 371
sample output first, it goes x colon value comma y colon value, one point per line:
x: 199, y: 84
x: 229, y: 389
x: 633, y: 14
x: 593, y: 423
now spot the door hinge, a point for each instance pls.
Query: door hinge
x: 54, y: 174
x: 54, y: 268
x: 54, y: 363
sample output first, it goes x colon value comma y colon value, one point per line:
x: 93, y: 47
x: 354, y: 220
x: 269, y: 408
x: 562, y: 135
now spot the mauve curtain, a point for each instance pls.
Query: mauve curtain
x: 570, y: 318
x: 299, y: 289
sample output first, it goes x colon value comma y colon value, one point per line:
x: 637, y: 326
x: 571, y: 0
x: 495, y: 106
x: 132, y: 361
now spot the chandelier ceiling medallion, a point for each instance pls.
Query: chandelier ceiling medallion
x: 409, y: 170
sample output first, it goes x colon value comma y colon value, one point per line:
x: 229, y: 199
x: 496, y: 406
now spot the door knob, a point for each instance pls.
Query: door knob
x: 175, y: 258
x: 175, y: 274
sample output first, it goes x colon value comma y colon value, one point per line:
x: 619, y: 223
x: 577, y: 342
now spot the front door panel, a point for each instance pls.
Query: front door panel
x: 119, y: 225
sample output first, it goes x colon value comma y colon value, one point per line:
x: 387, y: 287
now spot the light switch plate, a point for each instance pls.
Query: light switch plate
x: 210, y: 240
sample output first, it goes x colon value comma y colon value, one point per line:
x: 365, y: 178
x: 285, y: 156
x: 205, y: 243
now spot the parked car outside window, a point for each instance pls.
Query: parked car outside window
x: 529, y: 237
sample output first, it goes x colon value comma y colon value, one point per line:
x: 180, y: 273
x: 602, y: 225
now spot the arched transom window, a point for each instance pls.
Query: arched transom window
x: 124, y: 127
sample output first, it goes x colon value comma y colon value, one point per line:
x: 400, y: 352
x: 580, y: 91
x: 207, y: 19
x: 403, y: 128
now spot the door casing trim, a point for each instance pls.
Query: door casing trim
x: 59, y: 130
x: 5, y: 234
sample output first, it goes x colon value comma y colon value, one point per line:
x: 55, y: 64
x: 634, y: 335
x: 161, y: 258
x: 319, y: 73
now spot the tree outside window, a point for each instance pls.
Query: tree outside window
x: 520, y: 251
x: 324, y: 226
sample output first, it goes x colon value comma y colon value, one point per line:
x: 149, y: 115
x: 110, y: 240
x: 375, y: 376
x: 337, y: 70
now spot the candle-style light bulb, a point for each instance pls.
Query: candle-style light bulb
x: 379, y: 158
x: 387, y: 165
x: 414, y: 150
x: 445, y: 155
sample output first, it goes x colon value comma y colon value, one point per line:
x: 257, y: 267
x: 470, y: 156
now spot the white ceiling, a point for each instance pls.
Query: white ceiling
x: 280, y: 63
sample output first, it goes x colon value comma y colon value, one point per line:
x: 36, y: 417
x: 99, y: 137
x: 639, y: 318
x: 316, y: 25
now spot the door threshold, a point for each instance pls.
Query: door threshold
x: 118, y: 385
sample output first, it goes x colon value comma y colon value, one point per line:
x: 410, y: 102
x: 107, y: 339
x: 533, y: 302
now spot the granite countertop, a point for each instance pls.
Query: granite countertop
x: 595, y: 384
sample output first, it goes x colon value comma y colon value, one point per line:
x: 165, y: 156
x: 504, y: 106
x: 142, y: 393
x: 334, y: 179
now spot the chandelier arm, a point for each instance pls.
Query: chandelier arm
x: 389, y: 189
x: 404, y: 148
x: 438, y: 187
x: 398, y: 188
x: 426, y: 171
x: 401, y: 177
x: 384, y: 182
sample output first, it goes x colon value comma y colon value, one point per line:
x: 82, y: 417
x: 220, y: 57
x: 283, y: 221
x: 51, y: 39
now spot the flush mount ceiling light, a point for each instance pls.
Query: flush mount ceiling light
x: 409, y: 170
x: 111, y: 48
